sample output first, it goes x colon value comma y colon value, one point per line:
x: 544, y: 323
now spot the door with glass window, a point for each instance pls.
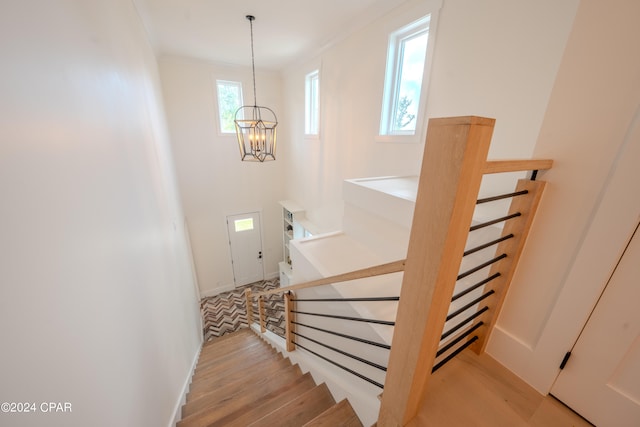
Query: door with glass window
x: 245, y: 240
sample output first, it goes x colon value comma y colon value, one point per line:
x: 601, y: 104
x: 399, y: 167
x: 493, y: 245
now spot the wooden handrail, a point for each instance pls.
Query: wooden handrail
x: 501, y: 166
x: 378, y: 270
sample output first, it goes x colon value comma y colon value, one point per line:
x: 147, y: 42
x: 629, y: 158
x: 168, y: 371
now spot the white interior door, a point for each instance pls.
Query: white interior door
x: 601, y: 380
x: 245, y: 239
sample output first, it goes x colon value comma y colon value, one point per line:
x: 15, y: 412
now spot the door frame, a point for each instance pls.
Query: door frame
x: 245, y: 212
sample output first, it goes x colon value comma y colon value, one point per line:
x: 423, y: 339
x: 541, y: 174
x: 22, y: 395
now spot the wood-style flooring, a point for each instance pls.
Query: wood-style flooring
x: 477, y: 391
x: 242, y: 381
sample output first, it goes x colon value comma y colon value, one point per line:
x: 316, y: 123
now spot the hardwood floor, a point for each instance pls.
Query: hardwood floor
x: 242, y: 381
x: 477, y: 391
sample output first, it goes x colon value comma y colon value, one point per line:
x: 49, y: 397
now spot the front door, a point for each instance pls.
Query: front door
x: 245, y: 239
x: 601, y: 380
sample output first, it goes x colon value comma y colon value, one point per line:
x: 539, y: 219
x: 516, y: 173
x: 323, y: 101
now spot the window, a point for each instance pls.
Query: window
x: 406, y: 58
x: 243, y: 224
x: 229, y: 100
x: 312, y: 104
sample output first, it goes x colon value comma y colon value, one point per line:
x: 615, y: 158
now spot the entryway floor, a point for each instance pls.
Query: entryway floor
x: 226, y: 312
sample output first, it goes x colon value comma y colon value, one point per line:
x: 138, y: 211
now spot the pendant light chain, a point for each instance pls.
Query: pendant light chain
x: 253, y: 61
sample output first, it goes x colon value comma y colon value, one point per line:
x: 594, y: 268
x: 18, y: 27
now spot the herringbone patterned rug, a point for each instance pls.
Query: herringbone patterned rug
x: 227, y: 312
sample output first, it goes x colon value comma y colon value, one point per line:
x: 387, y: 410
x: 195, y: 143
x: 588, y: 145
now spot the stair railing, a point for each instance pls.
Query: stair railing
x: 434, y: 292
x: 453, y: 167
x: 293, y: 334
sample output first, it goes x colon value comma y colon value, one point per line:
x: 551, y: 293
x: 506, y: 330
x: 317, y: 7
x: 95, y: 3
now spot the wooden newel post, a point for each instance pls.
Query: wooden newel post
x: 261, y: 313
x: 452, y: 167
x: 289, y: 306
x: 247, y: 295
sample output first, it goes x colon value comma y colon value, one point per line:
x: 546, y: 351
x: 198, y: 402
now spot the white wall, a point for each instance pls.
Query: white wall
x: 591, y: 204
x: 97, y: 300
x: 213, y: 181
x: 492, y: 58
x: 578, y: 106
x: 505, y: 60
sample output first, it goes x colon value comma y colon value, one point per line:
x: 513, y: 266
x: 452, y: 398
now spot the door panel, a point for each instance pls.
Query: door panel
x: 601, y: 381
x: 245, y: 239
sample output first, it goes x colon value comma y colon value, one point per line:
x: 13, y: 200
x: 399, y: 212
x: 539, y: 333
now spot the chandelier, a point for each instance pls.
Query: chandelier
x: 255, y: 126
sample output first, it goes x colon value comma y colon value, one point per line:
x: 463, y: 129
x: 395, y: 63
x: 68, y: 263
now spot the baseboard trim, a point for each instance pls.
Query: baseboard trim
x: 516, y: 355
x: 177, y: 410
x: 216, y: 291
x: 232, y: 287
x: 272, y: 275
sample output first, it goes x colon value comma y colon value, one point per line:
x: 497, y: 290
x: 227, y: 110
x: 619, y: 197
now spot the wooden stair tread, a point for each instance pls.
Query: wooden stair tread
x: 228, y: 341
x: 242, y: 381
x: 341, y: 414
x: 224, y: 371
x: 236, y: 355
x: 219, y: 403
x: 268, y: 403
x: 242, y: 358
x: 300, y: 410
x: 221, y: 348
x: 229, y: 336
x: 233, y: 340
x: 245, y: 384
x: 214, y: 382
x: 242, y: 361
x: 235, y: 375
x: 222, y: 353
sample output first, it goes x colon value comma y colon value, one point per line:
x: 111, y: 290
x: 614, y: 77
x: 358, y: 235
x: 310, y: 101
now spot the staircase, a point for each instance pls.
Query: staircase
x: 242, y: 381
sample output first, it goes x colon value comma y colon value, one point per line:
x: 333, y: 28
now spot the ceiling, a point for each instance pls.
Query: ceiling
x: 284, y: 30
